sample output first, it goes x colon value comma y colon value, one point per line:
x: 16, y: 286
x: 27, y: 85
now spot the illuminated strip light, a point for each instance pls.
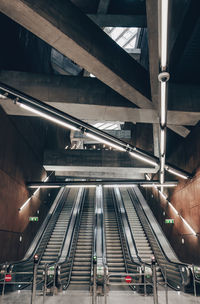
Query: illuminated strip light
x: 159, y: 185
x: 163, y: 103
x: 43, y: 186
x: 163, y: 195
x: 174, y: 209
x: 103, y: 141
x: 189, y: 227
x: 26, y: 203
x: 162, y: 141
x: 119, y: 186
x: 176, y: 173
x: 144, y: 159
x: 164, y: 30
x: 80, y: 186
x: 34, y: 193
x: 48, y: 117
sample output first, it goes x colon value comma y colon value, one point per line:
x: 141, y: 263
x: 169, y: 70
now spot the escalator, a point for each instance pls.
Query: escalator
x: 49, y: 240
x: 144, y: 248
x: 81, y: 266
x: 114, y: 250
x: 148, y: 240
x: 54, y: 245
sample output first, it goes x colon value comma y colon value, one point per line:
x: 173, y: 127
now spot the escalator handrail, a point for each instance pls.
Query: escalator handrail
x: 37, y: 239
x: 142, y: 263
x: 180, y: 265
x: 137, y: 263
x: 75, y: 228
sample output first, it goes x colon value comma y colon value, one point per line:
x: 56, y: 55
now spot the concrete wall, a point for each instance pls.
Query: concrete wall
x: 20, y: 161
x: 185, y: 198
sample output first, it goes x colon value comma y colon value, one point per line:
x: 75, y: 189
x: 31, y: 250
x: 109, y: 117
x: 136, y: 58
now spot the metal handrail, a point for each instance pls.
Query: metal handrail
x: 73, y: 241
x: 120, y: 226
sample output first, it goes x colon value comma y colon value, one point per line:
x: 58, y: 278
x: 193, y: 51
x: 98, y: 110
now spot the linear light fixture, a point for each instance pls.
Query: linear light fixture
x: 174, y: 209
x: 163, y: 195
x: 163, y: 103
x: 166, y: 185
x: 164, y: 32
x: 119, y: 186
x: 103, y: 141
x: 175, y: 172
x: 144, y: 159
x: 43, y: 186
x: 80, y: 186
x: 34, y: 193
x: 48, y: 117
x: 189, y: 227
x: 26, y: 203
x: 162, y: 141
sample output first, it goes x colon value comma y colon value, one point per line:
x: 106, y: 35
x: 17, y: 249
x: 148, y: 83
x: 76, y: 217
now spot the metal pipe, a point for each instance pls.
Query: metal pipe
x: 155, y: 291
x: 166, y: 287
x: 33, y: 293
x: 45, y: 283
x: 194, y: 281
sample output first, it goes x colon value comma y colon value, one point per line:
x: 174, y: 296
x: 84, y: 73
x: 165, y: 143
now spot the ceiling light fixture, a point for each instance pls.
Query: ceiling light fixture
x: 164, y: 33
x: 162, y: 141
x: 144, y: 159
x: 163, y: 104
x: 103, y: 141
x: 48, y: 117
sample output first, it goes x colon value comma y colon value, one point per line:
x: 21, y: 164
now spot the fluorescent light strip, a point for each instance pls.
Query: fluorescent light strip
x: 26, y: 203
x: 119, y: 186
x: 189, y: 227
x: 174, y: 209
x: 34, y: 193
x: 159, y: 185
x: 144, y: 159
x: 176, y: 173
x: 164, y: 30
x: 163, y: 195
x: 44, y: 186
x: 80, y: 186
x: 48, y: 117
x: 103, y: 141
x: 162, y: 141
x: 163, y: 104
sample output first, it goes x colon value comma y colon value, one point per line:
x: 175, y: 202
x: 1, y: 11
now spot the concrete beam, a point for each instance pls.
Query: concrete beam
x: 88, y: 90
x: 95, y: 163
x: 103, y: 20
x: 63, y: 26
x: 92, y: 113
x: 93, y: 158
x: 89, y: 172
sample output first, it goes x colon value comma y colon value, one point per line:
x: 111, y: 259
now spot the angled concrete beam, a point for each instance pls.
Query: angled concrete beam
x: 92, y: 113
x: 63, y: 26
x: 180, y: 130
x: 119, y: 20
